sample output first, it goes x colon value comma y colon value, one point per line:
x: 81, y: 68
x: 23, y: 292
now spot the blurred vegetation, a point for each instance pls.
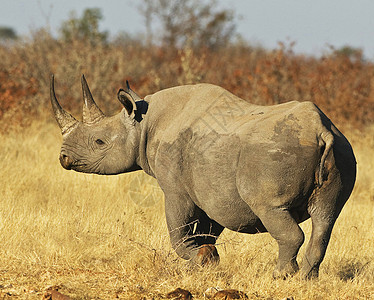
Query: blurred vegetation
x: 348, y: 51
x: 84, y: 28
x: 188, y: 22
x: 7, y: 33
x: 195, y: 44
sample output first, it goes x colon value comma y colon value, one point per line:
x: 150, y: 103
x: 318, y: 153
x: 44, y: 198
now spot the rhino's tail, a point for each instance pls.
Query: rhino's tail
x: 327, y: 139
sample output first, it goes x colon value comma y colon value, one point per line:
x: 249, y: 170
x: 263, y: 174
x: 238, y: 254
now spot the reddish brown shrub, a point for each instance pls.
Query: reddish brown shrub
x: 339, y: 84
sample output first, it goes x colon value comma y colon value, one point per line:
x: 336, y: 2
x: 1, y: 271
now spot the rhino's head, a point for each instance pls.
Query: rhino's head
x: 99, y: 144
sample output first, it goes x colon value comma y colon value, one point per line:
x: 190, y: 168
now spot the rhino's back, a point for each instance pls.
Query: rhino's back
x: 188, y: 105
x: 204, y: 109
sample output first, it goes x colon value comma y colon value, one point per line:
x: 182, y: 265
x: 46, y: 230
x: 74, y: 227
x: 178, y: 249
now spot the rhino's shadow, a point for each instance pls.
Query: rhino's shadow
x: 351, y: 269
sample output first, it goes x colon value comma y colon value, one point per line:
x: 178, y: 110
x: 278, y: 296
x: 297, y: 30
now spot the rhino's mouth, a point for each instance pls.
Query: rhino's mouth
x: 68, y: 163
x: 79, y: 167
x: 82, y: 167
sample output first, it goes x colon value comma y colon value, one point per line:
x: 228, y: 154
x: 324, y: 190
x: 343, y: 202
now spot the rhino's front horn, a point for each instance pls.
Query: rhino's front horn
x: 63, y: 118
x: 91, y: 112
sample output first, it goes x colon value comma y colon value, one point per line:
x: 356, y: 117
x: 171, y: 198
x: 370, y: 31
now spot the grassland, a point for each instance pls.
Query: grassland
x: 96, y: 238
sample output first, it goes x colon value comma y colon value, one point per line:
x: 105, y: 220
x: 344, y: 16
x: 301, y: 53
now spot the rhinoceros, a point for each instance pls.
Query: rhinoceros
x: 221, y: 162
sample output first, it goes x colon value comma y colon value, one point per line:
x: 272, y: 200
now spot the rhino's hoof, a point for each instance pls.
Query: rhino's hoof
x: 311, y: 273
x: 287, y: 271
x: 207, y: 255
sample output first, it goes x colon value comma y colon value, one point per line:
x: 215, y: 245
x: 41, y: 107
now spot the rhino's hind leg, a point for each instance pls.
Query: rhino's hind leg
x: 192, y: 233
x: 324, y: 208
x: 316, y: 249
x: 289, y: 236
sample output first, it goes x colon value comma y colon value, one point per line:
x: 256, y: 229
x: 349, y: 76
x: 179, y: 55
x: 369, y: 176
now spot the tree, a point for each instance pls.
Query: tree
x: 147, y: 11
x: 7, y: 33
x: 198, y: 22
x: 85, y: 27
x: 350, y: 52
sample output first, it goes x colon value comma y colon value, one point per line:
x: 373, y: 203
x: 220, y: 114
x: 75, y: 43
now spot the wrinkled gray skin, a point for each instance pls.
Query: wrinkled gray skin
x: 222, y: 163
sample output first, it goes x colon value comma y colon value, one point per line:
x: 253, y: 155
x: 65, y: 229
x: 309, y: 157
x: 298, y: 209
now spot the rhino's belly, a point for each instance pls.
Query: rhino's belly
x: 233, y: 214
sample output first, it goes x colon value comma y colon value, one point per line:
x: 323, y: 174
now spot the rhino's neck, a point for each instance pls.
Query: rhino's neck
x: 142, y: 132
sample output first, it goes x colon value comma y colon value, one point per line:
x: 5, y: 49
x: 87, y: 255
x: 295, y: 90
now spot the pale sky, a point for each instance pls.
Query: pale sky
x: 312, y: 24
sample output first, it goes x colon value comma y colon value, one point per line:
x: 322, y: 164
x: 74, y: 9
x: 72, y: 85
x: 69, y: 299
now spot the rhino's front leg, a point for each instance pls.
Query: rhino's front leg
x: 192, y: 233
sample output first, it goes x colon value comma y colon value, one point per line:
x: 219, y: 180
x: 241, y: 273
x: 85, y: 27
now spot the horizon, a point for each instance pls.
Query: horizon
x: 313, y: 27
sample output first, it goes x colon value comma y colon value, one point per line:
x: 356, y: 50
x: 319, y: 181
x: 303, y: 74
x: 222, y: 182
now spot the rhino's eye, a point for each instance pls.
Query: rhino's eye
x: 99, y: 142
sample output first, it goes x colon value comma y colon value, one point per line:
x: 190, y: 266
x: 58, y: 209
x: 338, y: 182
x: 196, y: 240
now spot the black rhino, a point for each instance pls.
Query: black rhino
x: 222, y: 162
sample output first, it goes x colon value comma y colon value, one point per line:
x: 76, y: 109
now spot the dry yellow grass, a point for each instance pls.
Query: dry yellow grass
x: 97, y: 238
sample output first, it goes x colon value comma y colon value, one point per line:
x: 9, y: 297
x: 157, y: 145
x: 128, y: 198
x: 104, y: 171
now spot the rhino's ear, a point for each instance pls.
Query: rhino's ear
x: 127, y: 102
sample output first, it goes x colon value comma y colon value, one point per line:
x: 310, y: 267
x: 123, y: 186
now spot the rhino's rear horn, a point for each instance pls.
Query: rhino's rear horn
x: 91, y: 112
x: 63, y: 118
x: 131, y: 93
